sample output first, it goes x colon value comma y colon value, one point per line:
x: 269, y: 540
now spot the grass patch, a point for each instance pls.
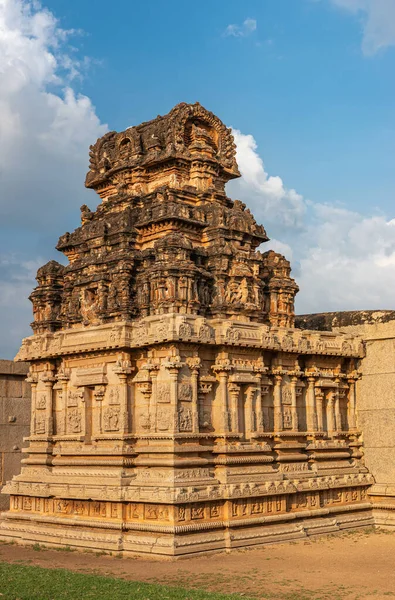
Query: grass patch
x: 21, y: 582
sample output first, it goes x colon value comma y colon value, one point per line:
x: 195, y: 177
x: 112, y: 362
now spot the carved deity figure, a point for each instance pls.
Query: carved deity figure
x: 111, y: 419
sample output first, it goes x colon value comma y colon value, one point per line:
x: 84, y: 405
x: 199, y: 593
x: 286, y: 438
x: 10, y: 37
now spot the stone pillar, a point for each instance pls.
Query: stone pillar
x: 260, y: 370
x: 258, y: 407
x: 330, y: 413
x: 234, y: 395
x: 265, y: 389
x: 311, y: 413
x: 48, y: 380
x: 278, y: 412
x: 338, y: 417
x: 294, y: 410
x: 153, y: 370
x: 123, y: 368
x: 63, y: 376
x: 123, y: 380
x: 204, y: 417
x: 33, y: 380
x: 352, y: 404
x: 319, y: 399
x: 194, y: 365
x: 96, y: 412
x: 173, y: 365
x: 222, y: 369
x: 223, y: 386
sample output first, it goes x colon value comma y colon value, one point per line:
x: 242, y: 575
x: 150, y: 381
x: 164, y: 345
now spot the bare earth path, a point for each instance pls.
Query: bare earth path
x: 356, y: 565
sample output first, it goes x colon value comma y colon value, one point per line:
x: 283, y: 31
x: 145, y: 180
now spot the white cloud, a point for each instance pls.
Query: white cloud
x: 16, y: 283
x: 342, y: 260
x: 268, y: 196
x: 46, y: 128
x: 246, y: 28
x: 378, y: 22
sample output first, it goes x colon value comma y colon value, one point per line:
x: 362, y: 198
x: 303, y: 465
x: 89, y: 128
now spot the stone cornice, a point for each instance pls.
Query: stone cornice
x: 171, y: 328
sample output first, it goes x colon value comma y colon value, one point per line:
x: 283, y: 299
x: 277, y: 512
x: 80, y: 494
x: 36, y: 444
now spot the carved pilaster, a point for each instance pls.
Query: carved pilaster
x: 204, y: 415
x: 277, y: 404
x: 152, y: 401
x: 319, y: 400
x: 222, y: 369
x: 311, y: 411
x: 260, y: 369
x: 123, y: 369
x: 352, y: 417
x: 338, y: 417
x: 330, y: 412
x: 33, y: 380
x: 234, y: 395
x: 194, y: 365
x: 260, y: 424
x: 145, y: 388
x: 294, y: 410
x: 173, y: 366
x: 63, y: 377
x: 97, y: 410
x: 48, y: 379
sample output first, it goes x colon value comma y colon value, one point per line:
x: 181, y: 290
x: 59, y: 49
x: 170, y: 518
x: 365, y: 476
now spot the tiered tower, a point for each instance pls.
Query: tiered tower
x: 175, y: 409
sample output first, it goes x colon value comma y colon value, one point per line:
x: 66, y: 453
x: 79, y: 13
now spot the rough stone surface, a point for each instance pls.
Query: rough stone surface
x: 14, y: 420
x: 175, y: 408
x: 332, y: 320
x: 376, y: 397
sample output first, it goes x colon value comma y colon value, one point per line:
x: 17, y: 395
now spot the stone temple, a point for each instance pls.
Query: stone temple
x: 175, y: 407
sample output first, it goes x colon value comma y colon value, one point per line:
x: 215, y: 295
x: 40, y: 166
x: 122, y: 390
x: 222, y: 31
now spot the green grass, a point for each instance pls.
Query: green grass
x: 22, y: 582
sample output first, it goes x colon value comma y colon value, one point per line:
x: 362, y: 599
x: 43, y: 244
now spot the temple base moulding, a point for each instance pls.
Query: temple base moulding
x: 176, y: 531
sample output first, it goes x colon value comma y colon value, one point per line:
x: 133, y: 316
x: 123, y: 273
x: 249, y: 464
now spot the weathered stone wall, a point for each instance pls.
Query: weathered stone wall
x: 376, y: 396
x: 348, y: 318
x: 14, y: 420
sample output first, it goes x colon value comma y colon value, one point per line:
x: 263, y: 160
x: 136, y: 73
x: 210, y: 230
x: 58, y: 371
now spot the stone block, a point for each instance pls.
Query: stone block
x: 12, y: 435
x: 380, y: 462
x: 15, y: 407
x: 378, y: 428
x: 376, y: 391
x: 14, y: 387
x: 12, y: 465
x: 10, y: 367
x: 380, y: 357
x: 4, y: 502
x: 3, y: 387
x: 26, y: 389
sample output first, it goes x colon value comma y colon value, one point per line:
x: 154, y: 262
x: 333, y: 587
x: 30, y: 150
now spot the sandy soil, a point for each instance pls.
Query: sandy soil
x: 355, y: 565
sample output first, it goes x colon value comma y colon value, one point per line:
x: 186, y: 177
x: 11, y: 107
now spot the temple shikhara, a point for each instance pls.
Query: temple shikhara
x: 176, y: 409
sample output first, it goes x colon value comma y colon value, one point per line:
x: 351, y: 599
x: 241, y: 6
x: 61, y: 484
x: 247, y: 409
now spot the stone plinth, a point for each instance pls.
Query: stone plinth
x: 175, y: 408
x: 14, y: 420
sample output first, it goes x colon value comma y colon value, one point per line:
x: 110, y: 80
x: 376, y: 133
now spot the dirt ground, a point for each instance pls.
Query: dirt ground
x: 358, y: 565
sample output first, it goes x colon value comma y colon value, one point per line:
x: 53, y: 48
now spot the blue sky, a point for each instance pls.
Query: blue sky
x: 322, y: 113
x: 307, y: 85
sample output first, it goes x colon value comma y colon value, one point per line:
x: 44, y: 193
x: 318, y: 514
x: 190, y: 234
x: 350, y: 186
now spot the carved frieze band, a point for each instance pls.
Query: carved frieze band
x: 188, y: 513
x: 196, y: 329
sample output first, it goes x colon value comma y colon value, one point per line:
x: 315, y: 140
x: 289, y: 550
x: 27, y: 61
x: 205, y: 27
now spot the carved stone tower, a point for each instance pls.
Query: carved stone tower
x: 175, y: 408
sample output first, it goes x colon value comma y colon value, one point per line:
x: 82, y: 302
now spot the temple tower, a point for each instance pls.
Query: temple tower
x: 175, y: 408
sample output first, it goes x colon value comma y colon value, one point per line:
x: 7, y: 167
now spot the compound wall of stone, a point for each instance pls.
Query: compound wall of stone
x: 14, y: 420
x: 376, y: 412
